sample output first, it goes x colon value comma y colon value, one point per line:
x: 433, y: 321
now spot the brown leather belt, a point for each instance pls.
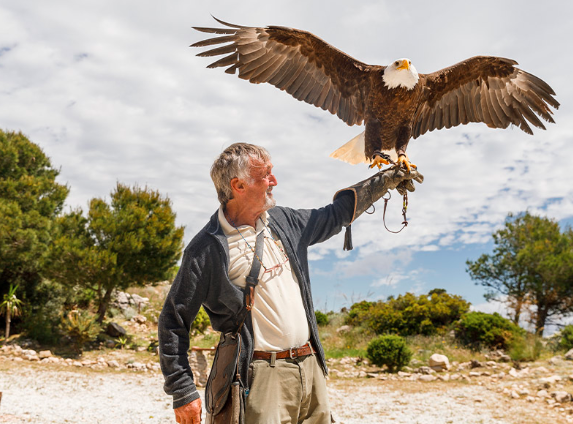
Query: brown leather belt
x: 292, y: 353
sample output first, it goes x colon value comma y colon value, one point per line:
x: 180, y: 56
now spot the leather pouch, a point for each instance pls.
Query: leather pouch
x: 223, y: 393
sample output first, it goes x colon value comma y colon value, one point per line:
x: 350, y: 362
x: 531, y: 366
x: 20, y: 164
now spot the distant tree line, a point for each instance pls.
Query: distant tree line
x: 61, y: 260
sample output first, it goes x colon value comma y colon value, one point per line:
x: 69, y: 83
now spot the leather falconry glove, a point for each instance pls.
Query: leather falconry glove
x: 368, y: 191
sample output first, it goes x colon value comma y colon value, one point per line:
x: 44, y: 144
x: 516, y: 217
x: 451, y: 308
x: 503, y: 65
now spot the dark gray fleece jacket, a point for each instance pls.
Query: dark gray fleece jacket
x: 203, y: 279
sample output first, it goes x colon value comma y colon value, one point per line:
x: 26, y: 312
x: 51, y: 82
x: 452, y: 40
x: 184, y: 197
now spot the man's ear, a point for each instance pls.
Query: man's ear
x: 237, y: 185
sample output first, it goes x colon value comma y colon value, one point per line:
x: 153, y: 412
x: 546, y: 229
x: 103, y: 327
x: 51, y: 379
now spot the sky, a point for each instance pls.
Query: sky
x: 112, y: 92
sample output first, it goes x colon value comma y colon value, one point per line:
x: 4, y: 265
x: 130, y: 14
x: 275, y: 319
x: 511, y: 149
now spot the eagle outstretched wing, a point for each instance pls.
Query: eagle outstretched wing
x: 295, y: 61
x: 482, y: 89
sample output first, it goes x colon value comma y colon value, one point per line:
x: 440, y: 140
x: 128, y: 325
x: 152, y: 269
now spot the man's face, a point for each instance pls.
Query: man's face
x: 259, y: 192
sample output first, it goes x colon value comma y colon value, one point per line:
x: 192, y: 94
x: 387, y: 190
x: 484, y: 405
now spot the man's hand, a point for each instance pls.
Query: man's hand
x: 189, y: 413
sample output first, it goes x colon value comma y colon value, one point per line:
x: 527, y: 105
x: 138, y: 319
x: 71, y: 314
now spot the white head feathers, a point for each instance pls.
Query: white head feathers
x: 400, y: 73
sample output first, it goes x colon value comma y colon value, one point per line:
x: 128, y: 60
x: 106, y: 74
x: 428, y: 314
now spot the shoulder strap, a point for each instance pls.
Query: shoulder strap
x: 253, y: 278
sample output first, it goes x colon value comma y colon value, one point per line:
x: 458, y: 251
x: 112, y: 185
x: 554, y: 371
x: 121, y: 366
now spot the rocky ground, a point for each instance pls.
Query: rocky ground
x: 38, y: 387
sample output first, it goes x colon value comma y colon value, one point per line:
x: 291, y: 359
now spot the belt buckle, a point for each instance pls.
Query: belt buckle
x: 291, y: 353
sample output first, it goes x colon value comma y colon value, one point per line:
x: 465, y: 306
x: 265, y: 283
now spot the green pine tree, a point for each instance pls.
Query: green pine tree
x: 132, y: 241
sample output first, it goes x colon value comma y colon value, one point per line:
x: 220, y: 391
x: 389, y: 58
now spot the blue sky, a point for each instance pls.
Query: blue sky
x: 112, y: 92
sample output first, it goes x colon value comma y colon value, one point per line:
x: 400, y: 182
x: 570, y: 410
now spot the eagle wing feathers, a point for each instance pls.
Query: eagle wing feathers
x: 295, y: 61
x: 483, y: 89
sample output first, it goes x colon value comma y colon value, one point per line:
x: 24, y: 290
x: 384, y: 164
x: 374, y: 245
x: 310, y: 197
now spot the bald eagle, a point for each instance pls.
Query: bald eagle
x: 395, y: 102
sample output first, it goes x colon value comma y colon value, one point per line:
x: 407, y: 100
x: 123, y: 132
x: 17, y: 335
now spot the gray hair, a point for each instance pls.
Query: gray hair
x: 235, y: 162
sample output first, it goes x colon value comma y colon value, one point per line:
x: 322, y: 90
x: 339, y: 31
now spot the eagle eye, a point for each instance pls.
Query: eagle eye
x: 397, y: 63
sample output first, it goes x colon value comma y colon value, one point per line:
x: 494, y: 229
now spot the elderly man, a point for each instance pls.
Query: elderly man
x: 281, y: 384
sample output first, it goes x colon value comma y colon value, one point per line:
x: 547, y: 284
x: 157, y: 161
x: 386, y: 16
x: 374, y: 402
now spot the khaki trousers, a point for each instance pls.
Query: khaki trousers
x: 291, y: 392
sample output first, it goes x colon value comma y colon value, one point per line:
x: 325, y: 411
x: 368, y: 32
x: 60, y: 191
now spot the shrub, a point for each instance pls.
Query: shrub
x: 525, y: 348
x: 43, y: 313
x: 410, y: 314
x: 81, y: 327
x: 357, y: 312
x: 201, y: 322
x: 321, y: 318
x: 566, y: 340
x: 390, y: 350
x: 479, y: 330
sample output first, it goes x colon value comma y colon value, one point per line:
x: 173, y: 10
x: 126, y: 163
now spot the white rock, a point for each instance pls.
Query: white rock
x: 514, y: 394
x: 542, y: 394
x: 569, y: 355
x: 427, y: 378
x: 140, y: 319
x: 439, y: 362
x: 44, y: 354
x: 561, y: 396
x: 445, y: 377
x: 29, y: 357
x: 513, y: 372
x: 550, y: 380
x: 425, y: 370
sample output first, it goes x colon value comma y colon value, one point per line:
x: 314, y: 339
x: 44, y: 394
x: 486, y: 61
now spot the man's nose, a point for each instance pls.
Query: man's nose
x: 273, y: 180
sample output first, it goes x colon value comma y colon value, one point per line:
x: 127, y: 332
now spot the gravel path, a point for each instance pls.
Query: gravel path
x: 33, y: 395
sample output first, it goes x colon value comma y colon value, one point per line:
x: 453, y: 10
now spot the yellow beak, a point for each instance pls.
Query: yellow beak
x: 404, y: 65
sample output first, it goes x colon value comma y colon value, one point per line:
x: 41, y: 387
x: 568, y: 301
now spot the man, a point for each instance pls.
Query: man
x: 213, y: 272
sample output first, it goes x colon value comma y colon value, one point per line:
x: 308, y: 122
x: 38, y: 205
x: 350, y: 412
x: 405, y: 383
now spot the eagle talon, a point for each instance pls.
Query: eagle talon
x: 404, y: 161
x: 379, y: 159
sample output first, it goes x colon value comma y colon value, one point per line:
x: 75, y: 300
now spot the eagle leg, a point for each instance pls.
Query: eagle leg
x: 405, y: 161
x: 379, y: 159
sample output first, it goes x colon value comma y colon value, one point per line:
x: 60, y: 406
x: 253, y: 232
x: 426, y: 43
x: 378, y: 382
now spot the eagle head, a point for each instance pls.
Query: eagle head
x: 400, y: 73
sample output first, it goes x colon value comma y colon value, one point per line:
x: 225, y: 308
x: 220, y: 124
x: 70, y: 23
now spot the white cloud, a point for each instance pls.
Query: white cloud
x: 111, y: 92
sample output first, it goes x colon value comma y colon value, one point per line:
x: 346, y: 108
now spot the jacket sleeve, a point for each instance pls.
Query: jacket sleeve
x: 311, y: 226
x: 182, y: 304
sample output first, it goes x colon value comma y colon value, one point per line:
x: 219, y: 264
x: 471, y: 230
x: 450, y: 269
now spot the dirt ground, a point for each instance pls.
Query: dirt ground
x: 38, y: 393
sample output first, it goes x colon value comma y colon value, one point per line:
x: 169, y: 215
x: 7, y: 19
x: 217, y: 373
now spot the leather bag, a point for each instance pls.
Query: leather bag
x: 223, y: 393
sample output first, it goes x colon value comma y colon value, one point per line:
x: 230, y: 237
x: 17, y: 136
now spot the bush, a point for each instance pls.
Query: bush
x: 480, y: 330
x: 43, y: 314
x: 201, y: 322
x: 526, y: 348
x: 390, y: 350
x: 566, y: 340
x: 410, y: 314
x: 81, y: 327
x: 321, y: 318
x: 357, y: 312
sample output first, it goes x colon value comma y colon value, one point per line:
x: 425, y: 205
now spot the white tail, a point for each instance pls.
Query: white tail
x: 352, y: 152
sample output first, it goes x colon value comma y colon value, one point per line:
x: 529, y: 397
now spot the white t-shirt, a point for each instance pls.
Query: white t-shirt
x: 278, y: 315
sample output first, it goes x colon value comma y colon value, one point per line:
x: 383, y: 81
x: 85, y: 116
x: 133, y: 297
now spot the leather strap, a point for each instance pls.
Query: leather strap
x: 295, y: 352
x: 252, y: 279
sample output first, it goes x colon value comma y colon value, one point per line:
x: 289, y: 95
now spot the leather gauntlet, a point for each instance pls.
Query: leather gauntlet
x: 368, y: 191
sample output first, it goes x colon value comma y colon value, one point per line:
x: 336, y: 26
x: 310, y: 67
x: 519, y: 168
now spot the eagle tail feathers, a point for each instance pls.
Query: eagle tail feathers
x: 352, y: 152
